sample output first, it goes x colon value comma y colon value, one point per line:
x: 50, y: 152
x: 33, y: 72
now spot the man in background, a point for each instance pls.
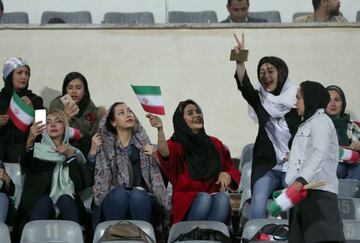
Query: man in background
x: 324, y: 11
x: 238, y: 12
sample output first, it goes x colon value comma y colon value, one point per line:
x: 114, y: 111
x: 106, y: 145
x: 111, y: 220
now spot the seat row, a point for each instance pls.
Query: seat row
x: 84, y: 17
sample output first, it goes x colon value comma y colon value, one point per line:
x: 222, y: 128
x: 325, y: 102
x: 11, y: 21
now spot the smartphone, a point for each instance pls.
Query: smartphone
x: 66, y: 99
x: 40, y: 115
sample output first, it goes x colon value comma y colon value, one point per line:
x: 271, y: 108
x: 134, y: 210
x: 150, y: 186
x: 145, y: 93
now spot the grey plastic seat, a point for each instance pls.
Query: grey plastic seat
x: 253, y: 225
x: 14, y: 18
x: 79, y: 17
x: 270, y: 16
x: 349, y: 188
x: 246, y: 154
x: 192, y: 17
x: 128, y: 18
x: 4, y: 233
x: 358, y: 16
x: 186, y: 226
x: 14, y: 171
x: 299, y: 14
x: 52, y: 231
x: 349, y: 208
x: 145, y: 226
x: 351, y: 230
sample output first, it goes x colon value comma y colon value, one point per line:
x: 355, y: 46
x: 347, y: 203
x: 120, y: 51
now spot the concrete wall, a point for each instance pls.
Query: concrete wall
x: 186, y: 63
x: 160, y: 7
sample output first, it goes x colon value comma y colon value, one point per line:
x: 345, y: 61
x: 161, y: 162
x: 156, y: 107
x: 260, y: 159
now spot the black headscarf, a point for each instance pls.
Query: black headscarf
x: 203, y: 160
x: 282, y: 69
x: 315, y: 97
x: 86, y: 98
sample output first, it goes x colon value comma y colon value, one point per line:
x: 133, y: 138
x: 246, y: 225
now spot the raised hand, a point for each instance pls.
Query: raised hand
x: 35, y: 130
x: 27, y: 100
x: 96, y: 142
x: 3, y: 120
x: 155, y: 121
x: 240, y: 43
x: 71, y: 109
x: 240, y: 66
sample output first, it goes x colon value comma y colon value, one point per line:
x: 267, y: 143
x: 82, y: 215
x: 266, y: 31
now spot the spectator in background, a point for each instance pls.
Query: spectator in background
x: 56, y: 21
x: 238, y: 13
x: 16, y: 75
x: 324, y: 11
x: 348, y: 132
x: 1, y: 9
x: 7, y: 188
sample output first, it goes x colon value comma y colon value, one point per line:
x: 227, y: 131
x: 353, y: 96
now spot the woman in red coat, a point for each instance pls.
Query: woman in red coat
x: 198, y: 166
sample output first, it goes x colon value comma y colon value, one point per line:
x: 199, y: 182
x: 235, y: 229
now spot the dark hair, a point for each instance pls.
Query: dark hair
x: 86, y: 99
x: 229, y: 2
x: 56, y: 21
x: 184, y: 103
x: 1, y: 6
x: 316, y: 4
x: 110, y: 118
x: 341, y: 94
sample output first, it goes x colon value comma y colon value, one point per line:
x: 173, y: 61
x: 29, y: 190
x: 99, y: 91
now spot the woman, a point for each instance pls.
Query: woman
x: 128, y: 181
x: 273, y: 107
x: 198, y: 166
x: 82, y: 113
x: 53, y: 174
x: 16, y: 75
x: 348, y: 132
x: 7, y: 188
x: 314, y: 158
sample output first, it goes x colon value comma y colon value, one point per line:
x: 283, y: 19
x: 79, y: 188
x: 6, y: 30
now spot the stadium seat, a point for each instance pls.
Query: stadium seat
x: 246, y: 154
x: 51, y: 231
x: 186, y: 226
x: 358, y: 16
x: 79, y: 17
x: 4, y: 233
x: 145, y: 226
x: 192, y: 17
x: 271, y: 16
x: 351, y: 230
x: 245, y: 183
x: 254, y: 225
x: 14, y: 18
x: 349, y: 208
x: 349, y: 188
x: 13, y: 170
x: 298, y: 14
x: 128, y: 18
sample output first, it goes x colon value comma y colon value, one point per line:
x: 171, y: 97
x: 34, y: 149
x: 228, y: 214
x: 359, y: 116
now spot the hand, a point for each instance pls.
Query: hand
x: 27, y: 100
x: 150, y: 150
x: 4, y: 176
x: 297, y: 186
x: 155, y: 121
x: 355, y: 146
x: 65, y: 150
x: 96, y: 142
x: 35, y: 130
x: 240, y: 43
x: 71, y: 109
x: 4, y: 120
x: 224, y: 179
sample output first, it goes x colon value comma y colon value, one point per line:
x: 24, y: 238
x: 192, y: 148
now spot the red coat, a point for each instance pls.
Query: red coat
x: 184, y: 188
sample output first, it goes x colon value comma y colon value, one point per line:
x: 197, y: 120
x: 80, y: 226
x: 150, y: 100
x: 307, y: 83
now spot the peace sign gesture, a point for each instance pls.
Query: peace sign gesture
x: 239, y: 54
x: 240, y: 43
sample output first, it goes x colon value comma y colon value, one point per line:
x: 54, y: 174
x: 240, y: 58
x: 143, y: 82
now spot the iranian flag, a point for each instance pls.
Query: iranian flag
x: 21, y: 114
x: 150, y: 98
x: 348, y: 156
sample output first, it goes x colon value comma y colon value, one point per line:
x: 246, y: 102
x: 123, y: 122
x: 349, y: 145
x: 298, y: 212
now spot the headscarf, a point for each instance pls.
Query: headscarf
x: 315, y: 97
x: 341, y: 94
x: 11, y: 64
x: 202, y: 159
x: 84, y: 102
x: 112, y: 169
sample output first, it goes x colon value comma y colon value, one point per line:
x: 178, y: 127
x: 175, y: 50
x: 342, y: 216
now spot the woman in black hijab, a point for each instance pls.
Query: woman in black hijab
x: 314, y: 158
x: 197, y: 165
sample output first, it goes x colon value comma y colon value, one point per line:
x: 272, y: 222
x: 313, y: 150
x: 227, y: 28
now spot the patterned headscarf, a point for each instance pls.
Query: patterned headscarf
x: 13, y: 63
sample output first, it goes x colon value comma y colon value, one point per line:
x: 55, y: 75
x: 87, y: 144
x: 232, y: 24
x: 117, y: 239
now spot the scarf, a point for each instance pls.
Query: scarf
x: 113, y: 169
x: 61, y: 182
x: 341, y: 125
x: 202, y: 159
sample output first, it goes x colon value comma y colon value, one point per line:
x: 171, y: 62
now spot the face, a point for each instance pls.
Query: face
x: 75, y: 89
x: 332, y: 7
x: 300, y: 106
x: 335, y: 105
x: 238, y: 10
x: 20, y: 78
x: 193, y: 118
x: 268, y: 77
x: 123, y: 117
x: 54, y: 127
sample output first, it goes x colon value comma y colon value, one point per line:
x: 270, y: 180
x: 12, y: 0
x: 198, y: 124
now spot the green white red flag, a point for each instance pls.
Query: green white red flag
x: 21, y: 114
x: 150, y: 98
x: 348, y: 156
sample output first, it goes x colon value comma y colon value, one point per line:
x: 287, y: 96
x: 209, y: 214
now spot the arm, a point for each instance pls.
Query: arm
x: 156, y: 122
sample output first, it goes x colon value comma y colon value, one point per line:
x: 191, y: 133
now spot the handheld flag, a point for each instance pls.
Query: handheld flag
x: 21, y: 114
x: 348, y: 156
x: 150, y: 98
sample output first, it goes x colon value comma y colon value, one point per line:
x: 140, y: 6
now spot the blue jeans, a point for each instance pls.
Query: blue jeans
x: 214, y: 207
x: 44, y: 208
x: 262, y: 189
x: 4, y: 206
x: 119, y: 202
x: 348, y: 171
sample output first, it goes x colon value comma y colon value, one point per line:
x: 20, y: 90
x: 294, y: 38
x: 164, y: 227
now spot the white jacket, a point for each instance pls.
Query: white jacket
x: 314, y: 152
